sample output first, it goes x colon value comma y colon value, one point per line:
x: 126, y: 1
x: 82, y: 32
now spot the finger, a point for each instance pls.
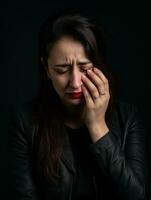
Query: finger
x: 87, y: 96
x: 97, y: 81
x: 90, y: 87
x: 102, y: 77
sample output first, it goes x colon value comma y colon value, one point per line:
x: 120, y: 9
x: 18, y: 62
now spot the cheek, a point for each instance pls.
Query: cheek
x: 59, y: 83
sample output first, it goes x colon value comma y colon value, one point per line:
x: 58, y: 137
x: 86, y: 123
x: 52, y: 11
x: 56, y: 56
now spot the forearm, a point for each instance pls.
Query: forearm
x: 123, y: 172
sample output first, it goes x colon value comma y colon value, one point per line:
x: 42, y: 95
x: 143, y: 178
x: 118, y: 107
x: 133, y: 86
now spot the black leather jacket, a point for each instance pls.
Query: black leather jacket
x: 119, y: 156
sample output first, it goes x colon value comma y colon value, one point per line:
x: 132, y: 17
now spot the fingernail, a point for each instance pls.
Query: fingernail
x: 89, y: 71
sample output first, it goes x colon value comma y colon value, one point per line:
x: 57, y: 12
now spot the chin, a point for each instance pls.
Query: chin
x: 74, y: 102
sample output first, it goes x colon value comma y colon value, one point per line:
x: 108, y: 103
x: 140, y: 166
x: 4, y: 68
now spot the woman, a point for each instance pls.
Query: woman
x: 75, y: 140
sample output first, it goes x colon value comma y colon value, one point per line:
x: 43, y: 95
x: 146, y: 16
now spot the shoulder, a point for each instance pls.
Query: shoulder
x: 21, y: 117
x: 126, y: 107
x: 21, y: 111
x: 128, y: 112
x: 21, y: 126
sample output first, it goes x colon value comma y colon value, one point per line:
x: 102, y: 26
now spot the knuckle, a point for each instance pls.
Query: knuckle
x: 93, y: 89
x: 106, y: 82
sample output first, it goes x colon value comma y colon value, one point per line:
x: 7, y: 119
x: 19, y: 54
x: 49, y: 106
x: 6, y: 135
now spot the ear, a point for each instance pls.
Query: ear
x: 46, y: 67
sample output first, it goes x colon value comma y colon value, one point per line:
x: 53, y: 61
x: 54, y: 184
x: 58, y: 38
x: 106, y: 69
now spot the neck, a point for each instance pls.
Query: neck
x: 73, y: 115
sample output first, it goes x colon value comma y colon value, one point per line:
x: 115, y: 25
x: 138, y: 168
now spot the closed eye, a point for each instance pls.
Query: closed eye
x: 62, y: 65
x: 83, y: 67
x: 62, y: 69
x: 86, y: 67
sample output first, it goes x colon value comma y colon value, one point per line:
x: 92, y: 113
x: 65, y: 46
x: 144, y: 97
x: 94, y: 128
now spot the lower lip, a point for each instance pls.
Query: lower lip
x: 75, y: 96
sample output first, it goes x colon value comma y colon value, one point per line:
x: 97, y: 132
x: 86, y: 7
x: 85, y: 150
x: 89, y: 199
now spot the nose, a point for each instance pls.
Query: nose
x: 75, y: 78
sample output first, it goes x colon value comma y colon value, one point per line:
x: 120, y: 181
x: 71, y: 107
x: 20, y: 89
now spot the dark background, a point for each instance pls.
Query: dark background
x: 126, y: 26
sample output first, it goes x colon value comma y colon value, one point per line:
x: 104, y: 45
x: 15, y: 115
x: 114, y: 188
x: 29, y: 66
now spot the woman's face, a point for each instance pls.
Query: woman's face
x: 66, y: 62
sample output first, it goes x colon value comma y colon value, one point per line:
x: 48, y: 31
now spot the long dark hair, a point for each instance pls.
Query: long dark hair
x: 51, y: 132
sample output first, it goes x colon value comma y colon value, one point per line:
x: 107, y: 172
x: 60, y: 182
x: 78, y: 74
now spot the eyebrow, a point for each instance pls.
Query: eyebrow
x: 67, y: 64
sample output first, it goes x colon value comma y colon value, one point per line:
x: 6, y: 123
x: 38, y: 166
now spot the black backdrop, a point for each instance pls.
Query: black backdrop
x: 126, y: 26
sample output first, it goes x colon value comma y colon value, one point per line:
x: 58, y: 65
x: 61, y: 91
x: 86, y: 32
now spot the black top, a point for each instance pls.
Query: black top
x: 84, y: 183
x: 118, y: 157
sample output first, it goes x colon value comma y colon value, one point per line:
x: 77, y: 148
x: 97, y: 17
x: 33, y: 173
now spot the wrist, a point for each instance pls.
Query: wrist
x: 97, y: 131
